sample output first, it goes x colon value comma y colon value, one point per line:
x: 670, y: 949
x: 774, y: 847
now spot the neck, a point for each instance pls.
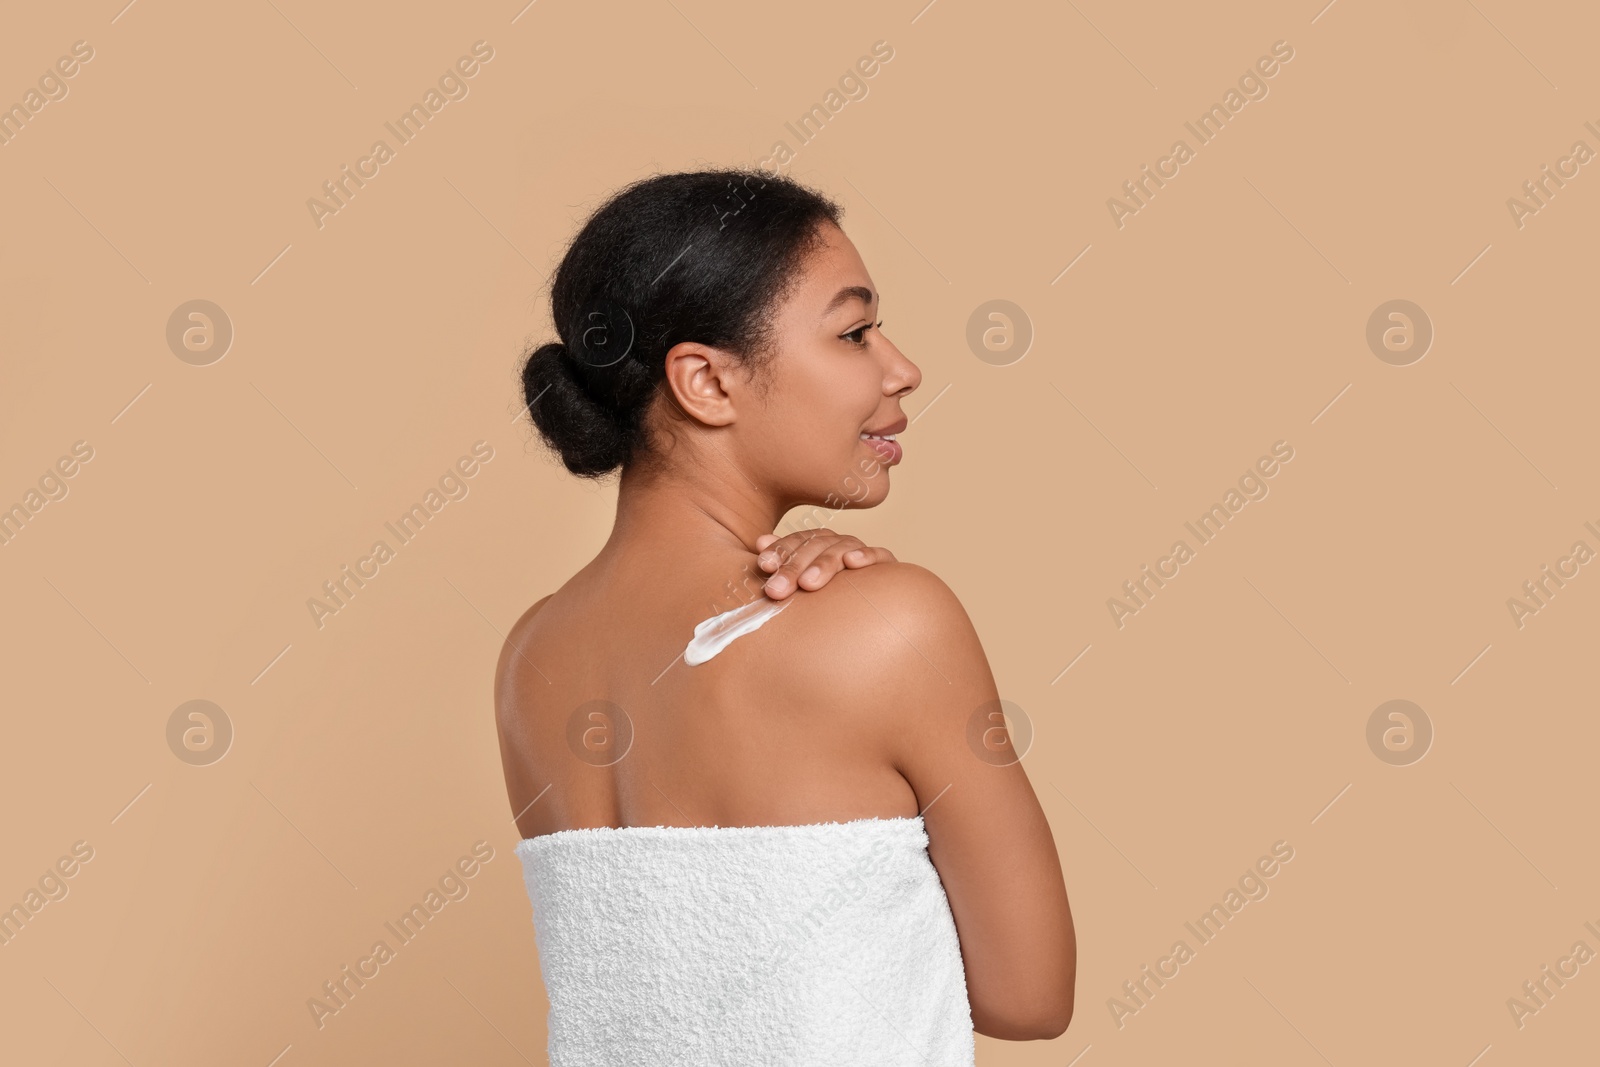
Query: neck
x: 689, y: 506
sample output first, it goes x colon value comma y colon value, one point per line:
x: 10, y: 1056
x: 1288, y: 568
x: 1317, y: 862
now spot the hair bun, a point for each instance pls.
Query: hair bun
x: 575, y: 426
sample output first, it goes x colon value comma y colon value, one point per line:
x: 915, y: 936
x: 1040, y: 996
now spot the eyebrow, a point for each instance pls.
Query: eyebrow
x: 859, y: 291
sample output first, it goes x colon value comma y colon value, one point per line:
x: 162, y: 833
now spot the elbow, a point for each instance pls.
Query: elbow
x: 1045, y: 1023
x: 1050, y: 1026
x: 1055, y: 1026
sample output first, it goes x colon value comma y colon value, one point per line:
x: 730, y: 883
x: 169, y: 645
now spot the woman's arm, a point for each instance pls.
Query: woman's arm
x: 922, y: 669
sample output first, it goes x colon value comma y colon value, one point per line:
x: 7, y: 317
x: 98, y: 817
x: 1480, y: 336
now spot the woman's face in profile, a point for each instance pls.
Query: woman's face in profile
x: 834, y: 377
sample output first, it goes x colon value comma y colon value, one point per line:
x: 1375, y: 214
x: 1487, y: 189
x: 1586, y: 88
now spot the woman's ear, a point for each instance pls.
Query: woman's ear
x: 702, y: 381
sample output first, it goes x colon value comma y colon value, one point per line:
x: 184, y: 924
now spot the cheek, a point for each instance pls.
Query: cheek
x: 827, y: 396
x: 814, y: 412
x: 808, y: 438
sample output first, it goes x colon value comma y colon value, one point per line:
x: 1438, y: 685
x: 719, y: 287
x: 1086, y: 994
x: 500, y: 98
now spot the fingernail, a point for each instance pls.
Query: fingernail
x: 778, y: 583
x: 811, y: 574
x: 856, y: 555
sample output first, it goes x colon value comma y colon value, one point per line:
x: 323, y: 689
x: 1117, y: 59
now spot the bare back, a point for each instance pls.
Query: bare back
x: 602, y: 723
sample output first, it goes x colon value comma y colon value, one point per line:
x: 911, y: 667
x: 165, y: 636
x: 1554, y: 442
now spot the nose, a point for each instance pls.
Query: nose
x: 901, y: 376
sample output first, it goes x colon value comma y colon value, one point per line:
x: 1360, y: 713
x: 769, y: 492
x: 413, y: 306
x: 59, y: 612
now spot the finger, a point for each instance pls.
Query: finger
x: 781, y: 550
x: 767, y: 559
x: 857, y: 558
x: 839, y: 557
x: 829, y: 562
x: 798, y: 552
x: 778, y: 550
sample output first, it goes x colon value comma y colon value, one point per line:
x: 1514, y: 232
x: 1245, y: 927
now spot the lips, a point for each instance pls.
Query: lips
x: 887, y: 448
x: 888, y: 430
x: 883, y: 443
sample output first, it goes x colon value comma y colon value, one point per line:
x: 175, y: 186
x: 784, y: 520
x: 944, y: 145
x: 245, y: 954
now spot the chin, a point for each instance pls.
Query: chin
x: 855, y: 481
x: 878, y: 491
x: 865, y: 492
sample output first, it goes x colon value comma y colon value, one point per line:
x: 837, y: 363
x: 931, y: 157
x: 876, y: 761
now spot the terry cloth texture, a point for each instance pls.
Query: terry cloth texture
x: 820, y: 945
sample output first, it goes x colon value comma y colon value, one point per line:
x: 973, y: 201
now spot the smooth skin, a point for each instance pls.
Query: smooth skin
x: 869, y: 696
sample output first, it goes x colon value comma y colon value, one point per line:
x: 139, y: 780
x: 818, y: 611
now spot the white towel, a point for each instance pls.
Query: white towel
x: 820, y: 945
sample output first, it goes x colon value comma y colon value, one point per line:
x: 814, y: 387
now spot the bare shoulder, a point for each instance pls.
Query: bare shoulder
x: 520, y: 627
x: 893, y: 597
x: 512, y: 664
x: 892, y: 638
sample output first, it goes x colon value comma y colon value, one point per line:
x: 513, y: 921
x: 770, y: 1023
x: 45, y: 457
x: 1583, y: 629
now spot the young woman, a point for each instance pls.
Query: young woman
x: 758, y: 829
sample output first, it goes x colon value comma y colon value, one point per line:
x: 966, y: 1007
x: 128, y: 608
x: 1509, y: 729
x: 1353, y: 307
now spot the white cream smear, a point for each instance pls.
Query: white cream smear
x: 714, y: 635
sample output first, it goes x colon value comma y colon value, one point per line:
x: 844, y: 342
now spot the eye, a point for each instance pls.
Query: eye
x: 857, y: 335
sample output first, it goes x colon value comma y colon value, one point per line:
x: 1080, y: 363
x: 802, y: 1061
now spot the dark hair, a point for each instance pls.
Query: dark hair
x: 699, y: 256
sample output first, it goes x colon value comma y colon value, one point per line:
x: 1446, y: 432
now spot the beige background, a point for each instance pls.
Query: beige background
x: 1228, y: 314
